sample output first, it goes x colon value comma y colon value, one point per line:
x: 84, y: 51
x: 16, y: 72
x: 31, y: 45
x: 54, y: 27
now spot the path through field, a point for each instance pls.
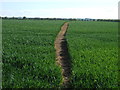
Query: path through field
x: 62, y: 55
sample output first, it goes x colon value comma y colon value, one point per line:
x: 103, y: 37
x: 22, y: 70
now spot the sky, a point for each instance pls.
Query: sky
x: 97, y: 9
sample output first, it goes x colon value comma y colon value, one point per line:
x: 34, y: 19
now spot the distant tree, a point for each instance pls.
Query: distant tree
x: 5, y: 17
x: 24, y: 17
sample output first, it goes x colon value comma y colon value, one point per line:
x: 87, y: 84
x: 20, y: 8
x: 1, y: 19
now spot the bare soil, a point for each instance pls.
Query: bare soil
x: 62, y: 55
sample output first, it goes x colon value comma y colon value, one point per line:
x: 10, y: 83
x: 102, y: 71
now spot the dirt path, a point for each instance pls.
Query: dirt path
x: 62, y: 55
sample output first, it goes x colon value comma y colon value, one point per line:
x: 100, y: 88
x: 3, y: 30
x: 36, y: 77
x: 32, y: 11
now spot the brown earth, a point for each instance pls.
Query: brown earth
x: 62, y: 55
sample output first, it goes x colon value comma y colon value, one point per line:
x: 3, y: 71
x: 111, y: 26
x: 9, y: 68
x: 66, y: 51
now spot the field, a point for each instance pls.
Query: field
x: 29, y: 54
x: 94, y: 51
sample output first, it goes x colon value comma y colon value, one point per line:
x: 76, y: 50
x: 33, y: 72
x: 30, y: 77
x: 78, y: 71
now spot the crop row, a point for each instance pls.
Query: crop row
x: 29, y: 55
x: 94, y: 51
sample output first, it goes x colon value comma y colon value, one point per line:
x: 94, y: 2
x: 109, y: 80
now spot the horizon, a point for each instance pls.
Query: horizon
x: 54, y: 17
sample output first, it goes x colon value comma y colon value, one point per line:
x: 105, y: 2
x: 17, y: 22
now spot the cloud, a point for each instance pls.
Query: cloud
x: 87, y: 1
x: 101, y: 13
x: 90, y: 9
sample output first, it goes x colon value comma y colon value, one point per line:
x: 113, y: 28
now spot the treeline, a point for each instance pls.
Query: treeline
x: 109, y: 20
x: 71, y: 19
x: 37, y: 18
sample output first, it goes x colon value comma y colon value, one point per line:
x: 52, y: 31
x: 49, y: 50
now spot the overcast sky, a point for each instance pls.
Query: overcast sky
x: 102, y: 9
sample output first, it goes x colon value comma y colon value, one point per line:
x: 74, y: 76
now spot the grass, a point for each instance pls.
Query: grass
x: 94, y: 50
x: 29, y: 55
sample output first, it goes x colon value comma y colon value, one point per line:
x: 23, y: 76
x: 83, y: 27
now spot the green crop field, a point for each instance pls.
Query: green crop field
x: 29, y: 55
x: 94, y: 51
